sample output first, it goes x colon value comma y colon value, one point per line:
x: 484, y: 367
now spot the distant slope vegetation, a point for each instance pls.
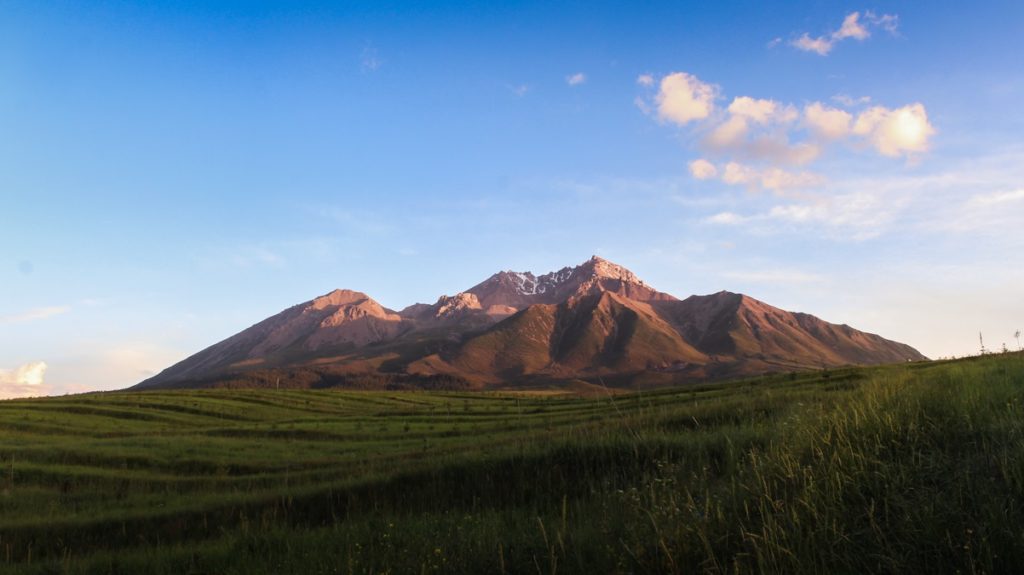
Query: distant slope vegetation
x: 908, y: 468
x: 597, y: 321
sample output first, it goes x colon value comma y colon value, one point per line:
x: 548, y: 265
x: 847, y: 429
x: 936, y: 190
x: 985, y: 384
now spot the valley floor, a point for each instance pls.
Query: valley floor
x: 900, y: 469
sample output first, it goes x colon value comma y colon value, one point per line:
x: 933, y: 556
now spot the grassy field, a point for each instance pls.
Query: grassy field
x: 902, y: 469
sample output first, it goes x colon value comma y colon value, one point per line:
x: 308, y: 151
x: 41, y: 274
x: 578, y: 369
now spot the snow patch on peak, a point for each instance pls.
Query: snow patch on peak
x: 525, y: 283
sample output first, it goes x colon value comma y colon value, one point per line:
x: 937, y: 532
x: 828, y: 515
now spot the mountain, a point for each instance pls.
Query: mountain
x: 342, y: 319
x: 595, y: 322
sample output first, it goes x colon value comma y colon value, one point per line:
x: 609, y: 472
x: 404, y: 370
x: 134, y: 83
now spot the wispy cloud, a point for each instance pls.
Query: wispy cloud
x: 360, y: 221
x: 35, y: 314
x: 974, y: 197
x: 855, y: 26
x: 370, y: 60
x: 576, y: 79
x: 992, y: 213
x: 726, y: 219
x: 850, y: 101
x: 256, y: 256
x: 851, y: 217
x: 774, y: 276
x: 997, y: 198
x: 519, y: 90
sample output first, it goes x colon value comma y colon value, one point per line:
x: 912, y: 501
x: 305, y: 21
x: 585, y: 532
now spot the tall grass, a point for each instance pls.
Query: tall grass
x: 900, y: 469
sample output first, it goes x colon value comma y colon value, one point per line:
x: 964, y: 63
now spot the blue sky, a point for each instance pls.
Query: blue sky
x: 173, y: 172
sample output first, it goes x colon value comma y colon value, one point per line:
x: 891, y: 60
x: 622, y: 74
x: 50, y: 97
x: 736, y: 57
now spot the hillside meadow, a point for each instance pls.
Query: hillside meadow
x: 897, y: 469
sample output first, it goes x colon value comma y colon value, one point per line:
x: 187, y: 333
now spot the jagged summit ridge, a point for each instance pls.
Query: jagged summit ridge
x: 521, y: 289
x: 448, y: 306
x: 526, y: 283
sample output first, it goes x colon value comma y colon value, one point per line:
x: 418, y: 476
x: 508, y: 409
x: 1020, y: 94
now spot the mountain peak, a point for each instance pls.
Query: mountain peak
x: 602, y: 268
x: 448, y: 306
x: 338, y: 297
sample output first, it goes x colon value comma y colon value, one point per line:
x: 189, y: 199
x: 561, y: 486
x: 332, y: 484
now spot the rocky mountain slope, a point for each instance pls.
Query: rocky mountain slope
x: 596, y: 322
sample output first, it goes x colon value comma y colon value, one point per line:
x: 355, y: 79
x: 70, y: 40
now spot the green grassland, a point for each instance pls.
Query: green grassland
x: 911, y: 468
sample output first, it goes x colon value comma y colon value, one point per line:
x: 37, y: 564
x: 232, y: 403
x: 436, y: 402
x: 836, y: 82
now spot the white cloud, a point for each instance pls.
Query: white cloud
x: 828, y: 123
x: 775, y: 179
x: 759, y: 140
x: 766, y: 120
x: 853, y: 26
x: 23, y: 381
x: 738, y: 174
x: 645, y: 80
x: 762, y: 111
x: 703, y: 169
x: 820, y: 45
x: 753, y: 178
x: 742, y: 111
x: 35, y: 314
x: 761, y: 130
x: 729, y: 133
x: 733, y: 138
x: 519, y: 90
x: 683, y: 98
x: 576, y: 79
x: 895, y: 133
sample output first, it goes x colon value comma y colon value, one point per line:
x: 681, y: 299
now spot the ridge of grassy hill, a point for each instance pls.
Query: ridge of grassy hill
x: 904, y: 468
